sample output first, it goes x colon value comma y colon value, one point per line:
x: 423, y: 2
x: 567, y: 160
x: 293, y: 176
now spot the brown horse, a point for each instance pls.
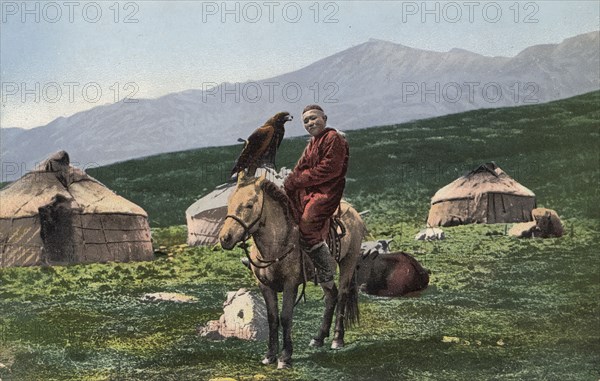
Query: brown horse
x: 260, y: 209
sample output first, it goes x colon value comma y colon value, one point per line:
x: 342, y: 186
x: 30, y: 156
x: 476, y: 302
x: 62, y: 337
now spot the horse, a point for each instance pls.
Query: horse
x: 391, y: 274
x: 260, y: 209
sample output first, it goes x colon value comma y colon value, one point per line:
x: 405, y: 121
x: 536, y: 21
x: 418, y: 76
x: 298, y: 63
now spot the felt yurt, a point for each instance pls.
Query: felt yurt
x: 485, y: 195
x: 57, y: 214
x: 206, y: 217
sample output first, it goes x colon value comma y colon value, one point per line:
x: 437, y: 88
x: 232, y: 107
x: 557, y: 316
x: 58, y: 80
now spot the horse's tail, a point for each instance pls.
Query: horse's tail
x: 351, y: 313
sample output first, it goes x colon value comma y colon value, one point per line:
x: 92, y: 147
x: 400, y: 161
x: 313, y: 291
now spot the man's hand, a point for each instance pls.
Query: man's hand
x: 290, y: 183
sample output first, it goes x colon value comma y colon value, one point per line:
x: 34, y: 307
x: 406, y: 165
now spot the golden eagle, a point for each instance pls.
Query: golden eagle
x: 261, y: 147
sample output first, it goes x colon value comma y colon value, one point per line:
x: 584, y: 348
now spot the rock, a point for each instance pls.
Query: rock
x: 430, y: 234
x: 167, y: 297
x: 450, y: 339
x: 244, y: 316
x: 210, y: 330
x: 458, y: 340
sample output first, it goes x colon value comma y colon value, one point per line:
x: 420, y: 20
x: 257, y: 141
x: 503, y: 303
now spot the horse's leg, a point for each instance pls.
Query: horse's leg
x: 338, y: 336
x: 347, y: 288
x: 331, y: 296
x: 270, y: 297
x: 287, y: 313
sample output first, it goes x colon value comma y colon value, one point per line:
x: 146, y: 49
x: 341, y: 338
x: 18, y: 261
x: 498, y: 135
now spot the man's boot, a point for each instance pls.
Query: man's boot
x: 321, y: 258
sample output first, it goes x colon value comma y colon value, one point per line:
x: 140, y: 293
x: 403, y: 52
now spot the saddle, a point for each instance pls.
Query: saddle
x: 337, y: 231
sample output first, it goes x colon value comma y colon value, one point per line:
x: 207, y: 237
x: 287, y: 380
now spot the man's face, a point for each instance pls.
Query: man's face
x: 314, y: 122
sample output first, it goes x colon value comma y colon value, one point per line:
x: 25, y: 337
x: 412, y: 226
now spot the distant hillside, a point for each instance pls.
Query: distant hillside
x: 374, y: 83
x: 394, y: 170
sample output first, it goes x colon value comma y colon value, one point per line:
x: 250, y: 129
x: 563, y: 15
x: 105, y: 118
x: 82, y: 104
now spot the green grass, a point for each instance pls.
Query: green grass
x: 497, y: 308
x: 517, y: 309
x: 550, y: 148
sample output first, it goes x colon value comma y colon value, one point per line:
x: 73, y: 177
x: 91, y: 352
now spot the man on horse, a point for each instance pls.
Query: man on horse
x: 315, y: 187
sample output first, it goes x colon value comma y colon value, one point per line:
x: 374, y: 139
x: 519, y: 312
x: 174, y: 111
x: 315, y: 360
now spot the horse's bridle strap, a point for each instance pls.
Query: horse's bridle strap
x: 247, y: 228
x: 265, y: 264
x: 243, y: 224
x: 246, y: 236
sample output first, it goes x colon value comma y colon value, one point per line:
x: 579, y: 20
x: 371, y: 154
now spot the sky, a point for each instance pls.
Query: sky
x: 61, y: 57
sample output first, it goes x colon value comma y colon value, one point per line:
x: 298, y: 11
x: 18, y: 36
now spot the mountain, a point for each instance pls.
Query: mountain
x: 374, y: 83
x: 400, y: 167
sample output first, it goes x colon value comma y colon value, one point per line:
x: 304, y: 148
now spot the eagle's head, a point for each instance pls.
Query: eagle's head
x: 280, y: 118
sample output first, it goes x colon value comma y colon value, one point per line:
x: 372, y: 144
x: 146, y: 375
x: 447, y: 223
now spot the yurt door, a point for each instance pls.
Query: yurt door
x: 498, y: 210
x: 56, y: 220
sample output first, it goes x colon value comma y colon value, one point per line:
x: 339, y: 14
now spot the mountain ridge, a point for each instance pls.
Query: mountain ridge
x: 374, y: 83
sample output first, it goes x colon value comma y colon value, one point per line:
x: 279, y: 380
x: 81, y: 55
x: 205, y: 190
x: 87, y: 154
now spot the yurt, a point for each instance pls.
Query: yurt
x: 60, y: 215
x: 486, y: 195
x: 206, y: 217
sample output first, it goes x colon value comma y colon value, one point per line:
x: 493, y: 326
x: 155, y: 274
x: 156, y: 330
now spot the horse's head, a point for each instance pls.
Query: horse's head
x: 244, y: 210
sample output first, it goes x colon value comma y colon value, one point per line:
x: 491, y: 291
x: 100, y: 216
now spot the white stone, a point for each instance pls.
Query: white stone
x: 168, y: 297
x: 430, y: 234
x: 244, y: 316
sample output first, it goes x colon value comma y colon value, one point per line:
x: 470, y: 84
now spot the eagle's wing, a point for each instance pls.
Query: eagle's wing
x: 268, y: 158
x: 257, y: 144
x: 279, y: 137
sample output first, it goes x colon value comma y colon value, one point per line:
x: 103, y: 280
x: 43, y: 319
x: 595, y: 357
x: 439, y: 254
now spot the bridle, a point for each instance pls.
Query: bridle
x: 246, y: 228
x: 244, y: 241
x: 264, y: 264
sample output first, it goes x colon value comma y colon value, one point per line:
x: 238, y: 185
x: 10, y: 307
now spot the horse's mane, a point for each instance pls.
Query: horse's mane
x: 278, y: 195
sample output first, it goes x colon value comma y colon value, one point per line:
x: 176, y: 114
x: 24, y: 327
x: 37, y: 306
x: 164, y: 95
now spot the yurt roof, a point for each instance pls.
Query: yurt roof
x: 54, y: 177
x: 487, y: 178
x: 218, y: 198
x: 215, y: 199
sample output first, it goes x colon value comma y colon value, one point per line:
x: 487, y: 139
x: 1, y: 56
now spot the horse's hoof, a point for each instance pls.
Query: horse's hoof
x: 281, y: 364
x: 269, y: 360
x: 316, y: 343
x: 337, y: 344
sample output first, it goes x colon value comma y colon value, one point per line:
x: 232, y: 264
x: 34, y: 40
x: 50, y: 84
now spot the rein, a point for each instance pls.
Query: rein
x: 244, y: 242
x: 246, y: 228
x: 267, y: 263
x: 244, y: 245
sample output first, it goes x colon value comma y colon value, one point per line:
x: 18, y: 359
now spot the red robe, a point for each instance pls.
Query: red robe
x: 316, y: 184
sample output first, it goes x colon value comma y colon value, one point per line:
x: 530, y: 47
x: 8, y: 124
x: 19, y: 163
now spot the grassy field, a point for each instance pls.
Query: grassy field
x: 551, y: 148
x: 497, y: 308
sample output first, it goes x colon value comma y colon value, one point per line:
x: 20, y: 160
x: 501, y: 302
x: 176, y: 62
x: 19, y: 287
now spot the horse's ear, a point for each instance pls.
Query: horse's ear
x: 241, y: 176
